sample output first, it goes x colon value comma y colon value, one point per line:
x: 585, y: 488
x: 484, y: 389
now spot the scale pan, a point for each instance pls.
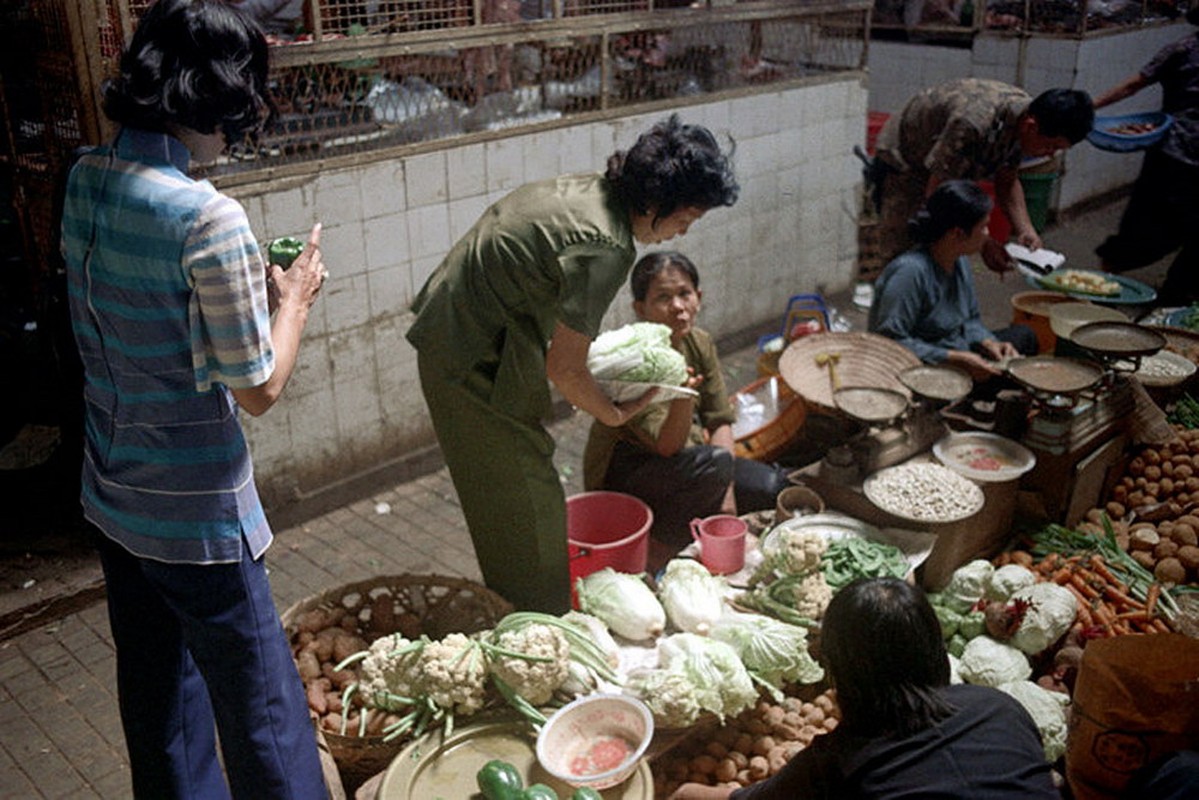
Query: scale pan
x: 871, y: 404
x: 1054, y: 374
x: 937, y: 382
x: 1120, y: 339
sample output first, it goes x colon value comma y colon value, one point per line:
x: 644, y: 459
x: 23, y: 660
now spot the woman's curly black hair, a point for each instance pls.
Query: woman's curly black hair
x: 198, y: 64
x: 673, y: 166
x: 954, y: 204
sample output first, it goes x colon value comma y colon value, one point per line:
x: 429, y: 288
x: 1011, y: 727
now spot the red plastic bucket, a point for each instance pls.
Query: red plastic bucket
x: 999, y: 224
x: 607, y: 529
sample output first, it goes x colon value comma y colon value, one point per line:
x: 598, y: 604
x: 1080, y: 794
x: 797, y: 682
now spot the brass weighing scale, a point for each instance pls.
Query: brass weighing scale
x: 1080, y: 412
x: 896, y: 428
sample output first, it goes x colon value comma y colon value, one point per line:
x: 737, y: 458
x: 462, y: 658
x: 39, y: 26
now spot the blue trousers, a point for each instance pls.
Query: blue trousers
x: 200, y: 649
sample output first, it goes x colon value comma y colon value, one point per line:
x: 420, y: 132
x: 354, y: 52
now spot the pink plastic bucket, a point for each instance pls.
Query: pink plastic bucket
x: 721, y: 542
x: 607, y: 529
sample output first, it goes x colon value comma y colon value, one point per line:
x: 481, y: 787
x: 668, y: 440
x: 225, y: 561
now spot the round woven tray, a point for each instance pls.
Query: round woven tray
x: 857, y: 359
x: 433, y: 605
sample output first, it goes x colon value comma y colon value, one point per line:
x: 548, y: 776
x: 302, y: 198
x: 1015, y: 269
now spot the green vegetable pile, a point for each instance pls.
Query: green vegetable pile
x: 851, y: 558
x: 500, y: 780
x: 1185, y: 412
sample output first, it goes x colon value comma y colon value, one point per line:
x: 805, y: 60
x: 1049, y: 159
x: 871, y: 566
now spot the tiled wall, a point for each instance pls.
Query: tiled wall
x: 354, y: 403
x: 899, y: 70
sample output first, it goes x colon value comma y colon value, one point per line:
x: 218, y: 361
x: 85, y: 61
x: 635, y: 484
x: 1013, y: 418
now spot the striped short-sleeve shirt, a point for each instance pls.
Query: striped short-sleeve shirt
x: 168, y: 305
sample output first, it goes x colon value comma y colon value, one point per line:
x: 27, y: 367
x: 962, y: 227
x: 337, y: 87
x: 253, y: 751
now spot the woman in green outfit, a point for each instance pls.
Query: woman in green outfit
x: 542, y: 266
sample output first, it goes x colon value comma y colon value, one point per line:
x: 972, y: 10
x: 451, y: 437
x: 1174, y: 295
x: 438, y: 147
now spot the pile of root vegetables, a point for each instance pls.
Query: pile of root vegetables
x: 1153, y: 509
x: 749, y: 747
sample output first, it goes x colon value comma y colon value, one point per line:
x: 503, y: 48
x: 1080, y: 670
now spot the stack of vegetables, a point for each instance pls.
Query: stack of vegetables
x: 801, y: 570
x: 707, y: 658
x: 1153, y: 509
x: 997, y: 622
x: 637, y: 353
x: 400, y: 686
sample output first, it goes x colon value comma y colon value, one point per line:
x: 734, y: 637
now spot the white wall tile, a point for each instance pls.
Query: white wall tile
x: 422, y: 268
x: 505, y: 164
x: 540, y: 158
x: 464, y: 214
x: 387, y: 241
x: 429, y: 231
x: 347, y: 302
x: 338, y: 198
x: 288, y: 212
x: 467, y: 167
x: 389, y: 290
x: 382, y: 187
x: 343, y: 248
x: 425, y: 179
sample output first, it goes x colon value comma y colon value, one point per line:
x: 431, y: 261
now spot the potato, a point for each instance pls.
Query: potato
x: 716, y: 749
x: 739, y: 758
x: 726, y: 770
x: 759, y: 768
x: 1184, y: 535
x: 763, y: 745
x: 703, y: 764
x: 1136, y: 466
x: 1170, y: 570
x: 1152, y: 457
x: 1167, y: 486
x: 1188, y: 556
x: 308, y: 666
x: 1153, y: 473
x: 1095, y: 516
x: 1143, y: 538
x: 1115, y: 510
x: 1166, y: 548
x: 1144, y: 558
x: 776, y: 759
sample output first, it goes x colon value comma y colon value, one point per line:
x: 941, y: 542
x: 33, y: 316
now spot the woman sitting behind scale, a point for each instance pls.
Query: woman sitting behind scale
x: 925, y: 298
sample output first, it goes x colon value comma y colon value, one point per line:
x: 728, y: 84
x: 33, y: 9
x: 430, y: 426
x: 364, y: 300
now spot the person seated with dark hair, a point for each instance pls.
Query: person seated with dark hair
x: 904, y: 732
x: 972, y: 129
x: 677, y: 456
x: 925, y: 298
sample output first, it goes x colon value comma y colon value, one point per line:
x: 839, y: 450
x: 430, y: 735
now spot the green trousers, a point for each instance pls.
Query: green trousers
x: 503, y: 470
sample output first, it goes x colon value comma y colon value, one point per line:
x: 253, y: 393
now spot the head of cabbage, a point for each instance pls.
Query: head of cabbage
x: 637, y: 353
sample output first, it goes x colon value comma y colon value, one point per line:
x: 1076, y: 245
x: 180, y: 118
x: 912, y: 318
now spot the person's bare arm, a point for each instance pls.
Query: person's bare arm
x: 698, y: 791
x: 566, y: 367
x: 297, y: 289
x: 1126, y: 88
x: 722, y: 436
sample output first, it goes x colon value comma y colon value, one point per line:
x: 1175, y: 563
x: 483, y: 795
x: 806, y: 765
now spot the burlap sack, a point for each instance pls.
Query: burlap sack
x: 1136, y: 698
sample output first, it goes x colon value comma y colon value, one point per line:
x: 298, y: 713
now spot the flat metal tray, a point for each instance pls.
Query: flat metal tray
x: 871, y: 404
x: 1119, y: 339
x: 1054, y: 374
x: 937, y: 382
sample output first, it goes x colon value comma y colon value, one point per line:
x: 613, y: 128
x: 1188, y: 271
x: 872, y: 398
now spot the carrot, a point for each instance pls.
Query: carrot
x: 1104, y: 614
x: 1084, y: 611
x: 1100, y: 568
x: 1082, y: 599
x: 1087, y: 589
x: 1160, y: 625
x: 1155, y: 589
x: 1136, y: 615
x: 1116, y: 596
x: 1048, y: 563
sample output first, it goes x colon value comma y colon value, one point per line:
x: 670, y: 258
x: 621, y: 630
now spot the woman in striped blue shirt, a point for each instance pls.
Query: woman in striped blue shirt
x: 170, y: 310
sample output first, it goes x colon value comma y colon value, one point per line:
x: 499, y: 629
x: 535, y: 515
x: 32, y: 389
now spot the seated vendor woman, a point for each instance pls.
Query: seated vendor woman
x: 925, y: 298
x: 677, y: 455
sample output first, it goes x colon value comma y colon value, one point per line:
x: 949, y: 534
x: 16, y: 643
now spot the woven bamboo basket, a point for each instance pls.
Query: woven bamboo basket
x: 815, y: 366
x: 432, y: 605
x: 771, y: 440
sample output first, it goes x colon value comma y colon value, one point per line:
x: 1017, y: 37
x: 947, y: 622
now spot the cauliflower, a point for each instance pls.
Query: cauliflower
x: 774, y: 651
x: 534, y: 680
x: 955, y: 676
x: 669, y: 695
x: 454, y: 673
x: 812, y: 596
x: 790, y: 551
x: 1009, y: 579
x: 1051, y: 611
x: 390, y: 672
x: 1048, y: 711
x: 986, y: 662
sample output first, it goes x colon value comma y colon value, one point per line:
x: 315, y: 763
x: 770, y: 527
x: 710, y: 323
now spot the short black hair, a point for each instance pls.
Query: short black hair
x: 881, y: 643
x: 1063, y: 112
x: 673, y: 166
x: 198, y: 64
x: 953, y: 204
x: 651, y: 264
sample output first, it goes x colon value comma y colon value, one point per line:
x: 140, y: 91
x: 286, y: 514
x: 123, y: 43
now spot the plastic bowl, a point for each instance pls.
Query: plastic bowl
x: 1104, y: 137
x: 576, y: 729
x: 984, y: 457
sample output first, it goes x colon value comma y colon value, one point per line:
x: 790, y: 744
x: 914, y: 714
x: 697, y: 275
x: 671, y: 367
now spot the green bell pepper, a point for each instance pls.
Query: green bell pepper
x: 499, y: 780
x: 538, y: 791
x: 284, y: 251
x: 586, y: 793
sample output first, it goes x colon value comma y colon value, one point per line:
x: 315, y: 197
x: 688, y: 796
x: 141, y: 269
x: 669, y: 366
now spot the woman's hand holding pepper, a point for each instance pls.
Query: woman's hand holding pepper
x: 298, y: 285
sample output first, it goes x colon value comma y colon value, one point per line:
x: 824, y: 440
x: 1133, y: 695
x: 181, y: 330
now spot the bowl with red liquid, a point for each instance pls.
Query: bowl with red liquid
x: 596, y: 741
